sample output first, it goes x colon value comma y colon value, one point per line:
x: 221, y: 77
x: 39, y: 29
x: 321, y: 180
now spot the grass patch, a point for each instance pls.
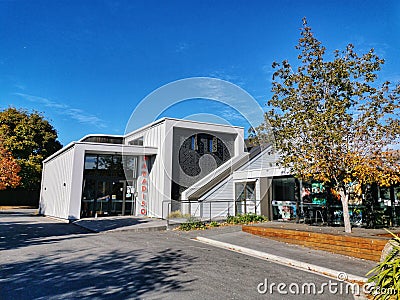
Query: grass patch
x: 177, y: 214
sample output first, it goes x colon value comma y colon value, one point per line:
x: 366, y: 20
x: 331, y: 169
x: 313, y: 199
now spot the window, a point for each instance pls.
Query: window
x: 245, y: 197
x: 137, y: 142
x: 130, y: 165
x: 105, y: 162
x: 91, y: 162
x: 214, y: 144
x: 283, y: 189
x: 193, y: 143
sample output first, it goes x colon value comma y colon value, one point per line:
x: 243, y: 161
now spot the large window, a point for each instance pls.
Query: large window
x: 111, y: 165
x: 105, y: 185
x: 283, y: 189
x: 314, y: 193
x: 284, y: 198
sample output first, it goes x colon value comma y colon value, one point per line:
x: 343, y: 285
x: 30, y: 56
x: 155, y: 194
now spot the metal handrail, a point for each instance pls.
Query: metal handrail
x: 200, y: 213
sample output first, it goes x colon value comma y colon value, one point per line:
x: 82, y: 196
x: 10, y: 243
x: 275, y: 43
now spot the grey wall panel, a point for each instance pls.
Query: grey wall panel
x: 154, y: 137
x: 262, y: 161
x: 56, y: 186
x: 77, y: 182
x: 217, y: 210
x: 184, y: 171
x: 222, y: 191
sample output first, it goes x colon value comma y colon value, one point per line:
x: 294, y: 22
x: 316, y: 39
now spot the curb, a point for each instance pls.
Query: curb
x: 143, y: 229
x: 341, y: 276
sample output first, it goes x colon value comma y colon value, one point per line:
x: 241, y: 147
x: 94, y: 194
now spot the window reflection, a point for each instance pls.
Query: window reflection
x: 90, y: 162
x: 105, y: 185
x: 105, y: 162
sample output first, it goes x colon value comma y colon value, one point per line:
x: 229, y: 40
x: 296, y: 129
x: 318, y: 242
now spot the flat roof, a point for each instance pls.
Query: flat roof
x: 105, y: 147
x: 82, y: 140
x: 177, y: 120
x: 100, y: 135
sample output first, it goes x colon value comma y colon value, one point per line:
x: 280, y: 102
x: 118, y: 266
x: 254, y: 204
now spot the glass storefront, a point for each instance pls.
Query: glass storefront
x: 107, y: 189
x: 284, y: 198
x: 315, y: 203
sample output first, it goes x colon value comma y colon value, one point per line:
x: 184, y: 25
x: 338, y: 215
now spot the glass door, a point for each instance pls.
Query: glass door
x: 88, y: 197
x: 129, y: 198
x: 117, y: 192
x: 245, y: 197
x: 103, y: 198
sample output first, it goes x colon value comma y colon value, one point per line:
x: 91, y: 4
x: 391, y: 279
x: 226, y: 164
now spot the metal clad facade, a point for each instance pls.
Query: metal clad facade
x: 154, y: 136
x: 221, y: 192
x: 218, y: 202
x: 262, y: 161
x: 55, y: 194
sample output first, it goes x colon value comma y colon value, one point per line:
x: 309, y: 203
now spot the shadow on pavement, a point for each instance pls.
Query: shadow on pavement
x: 115, y: 274
x: 20, y: 230
x: 110, y: 223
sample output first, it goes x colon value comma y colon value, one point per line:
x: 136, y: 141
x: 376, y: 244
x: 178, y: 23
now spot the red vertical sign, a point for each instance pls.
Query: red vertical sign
x: 143, y: 187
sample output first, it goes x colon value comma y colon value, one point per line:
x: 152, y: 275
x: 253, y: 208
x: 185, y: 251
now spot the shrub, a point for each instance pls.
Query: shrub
x: 386, y: 275
x: 214, y: 224
x: 192, y: 224
x: 246, y: 219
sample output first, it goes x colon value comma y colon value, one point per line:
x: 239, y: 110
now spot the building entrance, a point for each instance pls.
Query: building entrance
x: 107, y: 197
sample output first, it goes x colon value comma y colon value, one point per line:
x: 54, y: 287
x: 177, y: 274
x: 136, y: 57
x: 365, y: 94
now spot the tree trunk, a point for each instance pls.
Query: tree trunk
x: 344, y: 197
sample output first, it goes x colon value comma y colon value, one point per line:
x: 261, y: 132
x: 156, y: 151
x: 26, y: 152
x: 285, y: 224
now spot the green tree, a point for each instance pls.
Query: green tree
x: 332, y: 120
x: 30, y: 138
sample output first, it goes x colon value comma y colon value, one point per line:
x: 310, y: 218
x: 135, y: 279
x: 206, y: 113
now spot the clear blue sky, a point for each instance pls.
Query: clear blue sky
x: 86, y: 64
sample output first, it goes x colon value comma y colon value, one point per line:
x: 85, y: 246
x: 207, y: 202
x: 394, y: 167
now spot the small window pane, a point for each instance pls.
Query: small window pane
x: 130, y: 167
x: 90, y: 162
x: 104, y: 162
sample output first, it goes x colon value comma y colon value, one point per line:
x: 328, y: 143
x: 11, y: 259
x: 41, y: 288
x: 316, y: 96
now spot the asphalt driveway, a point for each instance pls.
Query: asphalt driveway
x: 45, y: 259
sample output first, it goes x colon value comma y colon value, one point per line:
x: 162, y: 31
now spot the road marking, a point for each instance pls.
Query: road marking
x: 282, y: 260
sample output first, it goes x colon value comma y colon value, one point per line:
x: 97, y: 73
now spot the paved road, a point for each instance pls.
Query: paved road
x: 45, y: 259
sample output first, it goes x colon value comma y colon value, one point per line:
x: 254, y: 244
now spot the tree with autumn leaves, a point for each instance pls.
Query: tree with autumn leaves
x: 9, y: 169
x: 27, y: 139
x: 333, y: 120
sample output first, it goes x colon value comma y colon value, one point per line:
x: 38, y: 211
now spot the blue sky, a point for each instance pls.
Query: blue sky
x: 87, y: 64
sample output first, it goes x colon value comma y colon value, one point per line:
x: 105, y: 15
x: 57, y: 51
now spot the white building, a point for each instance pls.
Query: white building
x: 162, y: 167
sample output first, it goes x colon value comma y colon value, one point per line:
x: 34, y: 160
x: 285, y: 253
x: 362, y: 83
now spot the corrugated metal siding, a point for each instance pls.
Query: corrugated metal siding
x: 216, y: 209
x: 154, y: 137
x: 262, y: 161
x: 55, y: 196
x: 220, y: 200
x: 222, y: 191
